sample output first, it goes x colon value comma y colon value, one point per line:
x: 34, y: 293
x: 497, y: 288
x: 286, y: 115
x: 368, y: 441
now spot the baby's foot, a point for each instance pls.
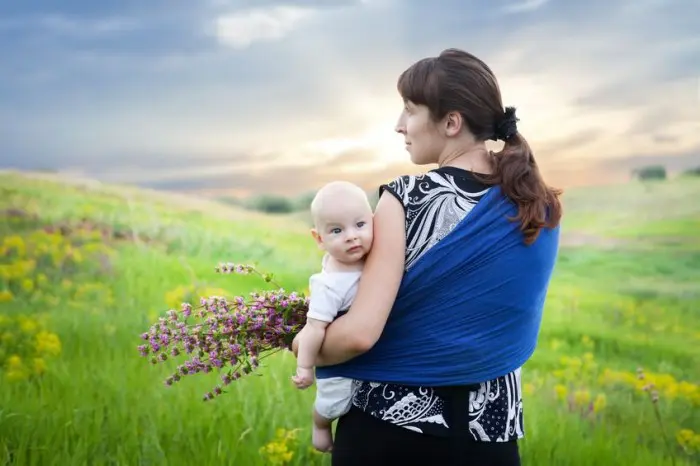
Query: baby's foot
x: 322, y: 439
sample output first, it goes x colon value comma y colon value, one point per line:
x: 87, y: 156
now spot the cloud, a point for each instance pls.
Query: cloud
x: 284, y: 180
x: 244, y: 176
x: 271, y: 21
x: 243, y: 28
x: 70, y: 26
x: 524, y: 6
x: 597, y: 81
x: 185, y: 91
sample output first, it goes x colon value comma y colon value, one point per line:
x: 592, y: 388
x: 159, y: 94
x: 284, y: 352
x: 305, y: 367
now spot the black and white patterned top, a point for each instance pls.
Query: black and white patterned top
x: 434, y: 203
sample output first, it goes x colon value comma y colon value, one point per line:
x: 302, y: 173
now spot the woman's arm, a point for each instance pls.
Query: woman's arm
x: 358, y: 330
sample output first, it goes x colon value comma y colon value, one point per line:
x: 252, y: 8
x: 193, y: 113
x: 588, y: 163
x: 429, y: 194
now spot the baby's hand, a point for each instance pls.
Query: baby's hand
x: 304, y: 377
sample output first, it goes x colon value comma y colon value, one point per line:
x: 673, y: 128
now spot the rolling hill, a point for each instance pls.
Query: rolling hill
x: 85, y: 268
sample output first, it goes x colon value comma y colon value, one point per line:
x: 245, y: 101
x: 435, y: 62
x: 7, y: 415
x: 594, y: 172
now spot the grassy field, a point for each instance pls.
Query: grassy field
x: 85, y: 269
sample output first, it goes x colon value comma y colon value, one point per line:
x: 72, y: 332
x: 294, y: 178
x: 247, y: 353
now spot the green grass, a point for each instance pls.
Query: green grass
x: 624, y: 298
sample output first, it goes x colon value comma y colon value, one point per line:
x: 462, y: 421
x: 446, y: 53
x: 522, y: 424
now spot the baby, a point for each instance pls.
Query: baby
x: 342, y: 219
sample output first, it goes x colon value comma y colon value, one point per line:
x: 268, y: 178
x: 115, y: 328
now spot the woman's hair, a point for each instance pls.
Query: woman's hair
x: 458, y: 81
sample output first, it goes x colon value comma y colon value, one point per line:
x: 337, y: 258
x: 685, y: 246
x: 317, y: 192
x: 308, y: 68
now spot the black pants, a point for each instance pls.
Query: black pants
x: 362, y: 440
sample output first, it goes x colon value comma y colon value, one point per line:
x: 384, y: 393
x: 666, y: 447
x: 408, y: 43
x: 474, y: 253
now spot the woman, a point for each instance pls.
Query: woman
x: 450, y: 301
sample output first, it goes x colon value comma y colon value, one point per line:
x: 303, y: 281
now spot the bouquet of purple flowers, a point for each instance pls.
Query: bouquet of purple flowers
x: 228, y: 335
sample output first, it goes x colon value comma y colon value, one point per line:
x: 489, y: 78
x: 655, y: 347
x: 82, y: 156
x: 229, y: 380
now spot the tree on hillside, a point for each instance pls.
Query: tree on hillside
x: 650, y: 172
x: 692, y: 172
x: 271, y: 204
x: 283, y: 205
x: 373, y: 198
x: 303, y: 202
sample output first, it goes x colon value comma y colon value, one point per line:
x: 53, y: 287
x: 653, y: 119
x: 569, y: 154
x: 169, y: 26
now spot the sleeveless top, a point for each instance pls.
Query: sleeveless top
x: 434, y: 203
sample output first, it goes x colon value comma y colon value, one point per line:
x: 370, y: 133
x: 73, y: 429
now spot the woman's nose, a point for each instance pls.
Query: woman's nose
x: 400, y: 126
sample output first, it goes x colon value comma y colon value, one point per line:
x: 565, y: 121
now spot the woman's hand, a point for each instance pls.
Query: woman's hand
x: 358, y: 330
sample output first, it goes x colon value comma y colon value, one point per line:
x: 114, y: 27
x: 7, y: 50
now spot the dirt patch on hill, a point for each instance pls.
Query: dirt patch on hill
x: 577, y: 239
x: 68, y: 228
x: 574, y: 239
x: 179, y: 201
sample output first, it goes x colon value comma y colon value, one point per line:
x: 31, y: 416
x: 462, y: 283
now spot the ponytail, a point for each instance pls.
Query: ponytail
x: 516, y: 172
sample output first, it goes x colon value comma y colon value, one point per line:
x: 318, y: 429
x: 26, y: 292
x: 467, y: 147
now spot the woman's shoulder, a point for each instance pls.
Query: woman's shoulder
x: 399, y: 186
x: 414, y: 186
x: 406, y: 183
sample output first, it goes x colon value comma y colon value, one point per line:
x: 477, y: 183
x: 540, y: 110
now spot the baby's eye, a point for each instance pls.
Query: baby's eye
x: 335, y: 231
x: 361, y: 224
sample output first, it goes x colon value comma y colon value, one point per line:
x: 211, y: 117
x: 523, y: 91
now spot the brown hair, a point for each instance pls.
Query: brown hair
x: 458, y: 81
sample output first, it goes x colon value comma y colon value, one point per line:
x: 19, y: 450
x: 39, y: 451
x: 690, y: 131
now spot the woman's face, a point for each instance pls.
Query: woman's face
x: 424, y: 142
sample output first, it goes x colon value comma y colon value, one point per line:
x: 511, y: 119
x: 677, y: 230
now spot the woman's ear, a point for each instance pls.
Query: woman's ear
x: 453, y: 123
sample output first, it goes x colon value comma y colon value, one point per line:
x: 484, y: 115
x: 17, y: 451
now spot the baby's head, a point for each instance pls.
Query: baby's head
x: 342, y: 221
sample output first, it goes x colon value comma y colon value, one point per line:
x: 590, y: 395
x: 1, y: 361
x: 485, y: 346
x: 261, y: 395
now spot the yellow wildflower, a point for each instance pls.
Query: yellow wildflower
x: 27, y: 325
x: 48, y: 343
x: 6, y: 296
x: 16, y: 375
x: 599, y: 403
x: 14, y: 362
x: 14, y: 245
x: 39, y: 366
x: 279, y: 450
x: 560, y: 391
x: 582, y: 397
x: 587, y: 341
x: 28, y: 285
x: 41, y: 279
x: 688, y: 440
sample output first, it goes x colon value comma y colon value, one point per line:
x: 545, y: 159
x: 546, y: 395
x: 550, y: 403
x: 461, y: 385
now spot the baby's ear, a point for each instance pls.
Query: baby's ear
x: 316, y: 236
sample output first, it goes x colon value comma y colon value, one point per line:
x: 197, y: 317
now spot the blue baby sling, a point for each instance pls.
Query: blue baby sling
x: 469, y: 310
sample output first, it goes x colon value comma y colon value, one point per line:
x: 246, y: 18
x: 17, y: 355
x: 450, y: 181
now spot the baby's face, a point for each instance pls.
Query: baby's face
x: 346, y: 231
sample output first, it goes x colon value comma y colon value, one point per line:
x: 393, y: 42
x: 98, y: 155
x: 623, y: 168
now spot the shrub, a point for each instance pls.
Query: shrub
x: 271, y: 204
x: 650, y: 172
x: 695, y: 171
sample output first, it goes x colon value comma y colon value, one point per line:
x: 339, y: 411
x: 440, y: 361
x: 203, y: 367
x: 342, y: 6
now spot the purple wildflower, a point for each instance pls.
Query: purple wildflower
x: 231, y: 333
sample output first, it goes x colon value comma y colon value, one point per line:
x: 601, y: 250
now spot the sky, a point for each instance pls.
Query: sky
x: 237, y: 98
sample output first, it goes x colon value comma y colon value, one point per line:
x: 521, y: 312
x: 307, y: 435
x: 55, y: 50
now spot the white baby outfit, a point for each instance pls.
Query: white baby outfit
x: 330, y: 293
